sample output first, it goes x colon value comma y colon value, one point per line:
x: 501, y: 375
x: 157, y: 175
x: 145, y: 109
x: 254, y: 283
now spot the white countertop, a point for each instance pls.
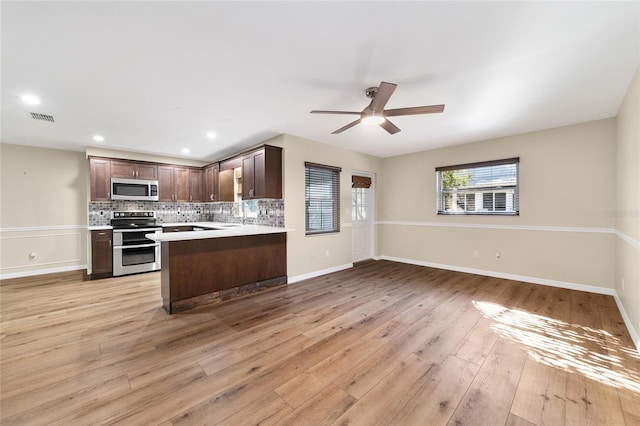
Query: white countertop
x: 221, y: 230
x: 99, y: 228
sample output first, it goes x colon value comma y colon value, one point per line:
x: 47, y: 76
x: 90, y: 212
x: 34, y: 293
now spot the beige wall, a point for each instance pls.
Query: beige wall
x: 564, y: 233
x: 43, y: 210
x: 627, y: 212
x: 308, y: 255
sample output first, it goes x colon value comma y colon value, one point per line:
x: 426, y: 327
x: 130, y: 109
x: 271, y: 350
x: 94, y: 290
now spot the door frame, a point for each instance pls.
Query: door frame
x: 372, y: 201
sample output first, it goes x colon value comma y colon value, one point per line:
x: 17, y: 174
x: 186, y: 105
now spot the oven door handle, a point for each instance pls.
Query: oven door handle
x: 137, y: 246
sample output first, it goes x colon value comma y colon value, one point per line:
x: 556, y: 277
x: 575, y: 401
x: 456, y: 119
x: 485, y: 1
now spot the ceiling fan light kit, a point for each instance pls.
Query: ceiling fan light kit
x: 372, y: 119
x: 375, y: 113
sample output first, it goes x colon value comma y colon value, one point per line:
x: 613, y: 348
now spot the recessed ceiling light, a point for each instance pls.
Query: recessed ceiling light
x: 98, y: 138
x: 30, y: 99
x: 211, y: 135
x: 185, y: 150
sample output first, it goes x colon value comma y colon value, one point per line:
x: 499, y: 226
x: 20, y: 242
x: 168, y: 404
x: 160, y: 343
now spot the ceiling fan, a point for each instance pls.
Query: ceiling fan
x: 375, y: 113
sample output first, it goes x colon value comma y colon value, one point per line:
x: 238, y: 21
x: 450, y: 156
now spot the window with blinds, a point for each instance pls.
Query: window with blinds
x: 486, y: 188
x: 322, y: 198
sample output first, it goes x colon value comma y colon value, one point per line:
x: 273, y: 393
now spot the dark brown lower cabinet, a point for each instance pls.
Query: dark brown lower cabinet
x: 101, y: 254
x: 205, y: 267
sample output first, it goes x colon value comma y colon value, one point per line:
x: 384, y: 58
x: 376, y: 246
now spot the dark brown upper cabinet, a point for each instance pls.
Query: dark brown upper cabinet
x: 211, y: 190
x: 195, y: 186
x: 173, y: 183
x: 100, y: 178
x: 250, y: 175
x: 133, y: 170
x: 262, y: 173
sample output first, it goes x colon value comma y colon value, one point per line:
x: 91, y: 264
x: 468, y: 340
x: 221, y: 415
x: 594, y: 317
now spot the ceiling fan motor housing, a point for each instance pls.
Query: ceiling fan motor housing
x: 371, y: 92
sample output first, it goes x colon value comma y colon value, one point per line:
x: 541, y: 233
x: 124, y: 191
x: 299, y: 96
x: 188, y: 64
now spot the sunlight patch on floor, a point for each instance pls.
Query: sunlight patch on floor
x: 567, y: 346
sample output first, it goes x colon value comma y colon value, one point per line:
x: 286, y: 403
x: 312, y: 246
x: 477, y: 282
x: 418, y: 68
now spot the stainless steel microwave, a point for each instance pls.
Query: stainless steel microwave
x: 134, y: 189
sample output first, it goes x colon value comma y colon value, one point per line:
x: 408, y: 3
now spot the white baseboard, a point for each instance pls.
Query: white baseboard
x: 23, y: 274
x: 533, y: 280
x: 314, y: 274
x: 632, y: 332
x: 514, y: 277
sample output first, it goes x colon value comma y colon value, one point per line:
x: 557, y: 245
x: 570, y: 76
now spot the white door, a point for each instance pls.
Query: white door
x: 362, y: 223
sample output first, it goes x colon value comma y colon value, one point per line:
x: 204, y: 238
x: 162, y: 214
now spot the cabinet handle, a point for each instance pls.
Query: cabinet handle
x: 190, y: 197
x: 102, y: 233
x: 211, y: 197
x: 109, y: 243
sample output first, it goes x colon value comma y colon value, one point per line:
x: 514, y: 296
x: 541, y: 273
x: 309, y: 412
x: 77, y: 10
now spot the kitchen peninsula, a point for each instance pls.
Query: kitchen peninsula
x: 217, y: 261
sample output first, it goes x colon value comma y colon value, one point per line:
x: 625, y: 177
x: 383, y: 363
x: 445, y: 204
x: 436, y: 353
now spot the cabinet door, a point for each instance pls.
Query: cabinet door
x: 270, y: 173
x: 133, y: 170
x: 248, y: 174
x: 195, y: 185
x: 262, y: 174
x: 165, y: 183
x: 259, y: 177
x: 181, y: 184
x: 147, y: 171
x: 123, y: 169
x: 211, y: 183
x: 100, y: 177
x: 101, y: 252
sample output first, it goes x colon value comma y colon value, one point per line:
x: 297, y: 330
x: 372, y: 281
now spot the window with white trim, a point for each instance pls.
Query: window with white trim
x: 322, y: 198
x: 485, y: 188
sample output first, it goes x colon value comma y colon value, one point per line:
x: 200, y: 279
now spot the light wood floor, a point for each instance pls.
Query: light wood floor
x: 382, y: 343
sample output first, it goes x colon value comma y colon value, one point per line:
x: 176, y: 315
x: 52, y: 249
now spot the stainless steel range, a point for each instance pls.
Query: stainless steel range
x: 132, y: 251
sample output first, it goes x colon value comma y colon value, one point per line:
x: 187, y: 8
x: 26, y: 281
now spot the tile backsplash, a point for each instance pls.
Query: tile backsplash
x: 268, y: 212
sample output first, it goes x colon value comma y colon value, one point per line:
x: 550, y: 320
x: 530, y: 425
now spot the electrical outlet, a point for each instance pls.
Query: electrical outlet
x: 498, y: 255
x: 475, y: 253
x: 327, y: 253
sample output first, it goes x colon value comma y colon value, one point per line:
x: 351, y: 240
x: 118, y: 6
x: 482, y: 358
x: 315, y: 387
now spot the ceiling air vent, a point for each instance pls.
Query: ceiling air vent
x: 42, y: 117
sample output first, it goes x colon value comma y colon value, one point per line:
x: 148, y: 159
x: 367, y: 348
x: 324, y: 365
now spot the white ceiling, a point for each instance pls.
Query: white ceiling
x: 156, y: 76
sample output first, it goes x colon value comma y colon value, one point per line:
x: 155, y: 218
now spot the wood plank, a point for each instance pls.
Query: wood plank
x: 386, y: 399
x: 540, y: 396
x: 267, y: 410
x: 437, y: 398
x: 491, y: 393
x: 324, y: 408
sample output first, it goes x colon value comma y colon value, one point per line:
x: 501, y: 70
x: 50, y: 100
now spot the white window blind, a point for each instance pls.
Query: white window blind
x: 486, y: 188
x: 322, y: 198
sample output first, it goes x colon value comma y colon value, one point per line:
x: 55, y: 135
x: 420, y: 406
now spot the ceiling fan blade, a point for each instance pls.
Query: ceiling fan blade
x: 385, y: 90
x: 348, y: 126
x: 430, y: 109
x: 389, y: 127
x: 335, y: 112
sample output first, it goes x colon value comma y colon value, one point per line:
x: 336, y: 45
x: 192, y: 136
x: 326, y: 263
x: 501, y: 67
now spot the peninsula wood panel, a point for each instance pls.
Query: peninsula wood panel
x: 196, y: 267
x: 380, y: 343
